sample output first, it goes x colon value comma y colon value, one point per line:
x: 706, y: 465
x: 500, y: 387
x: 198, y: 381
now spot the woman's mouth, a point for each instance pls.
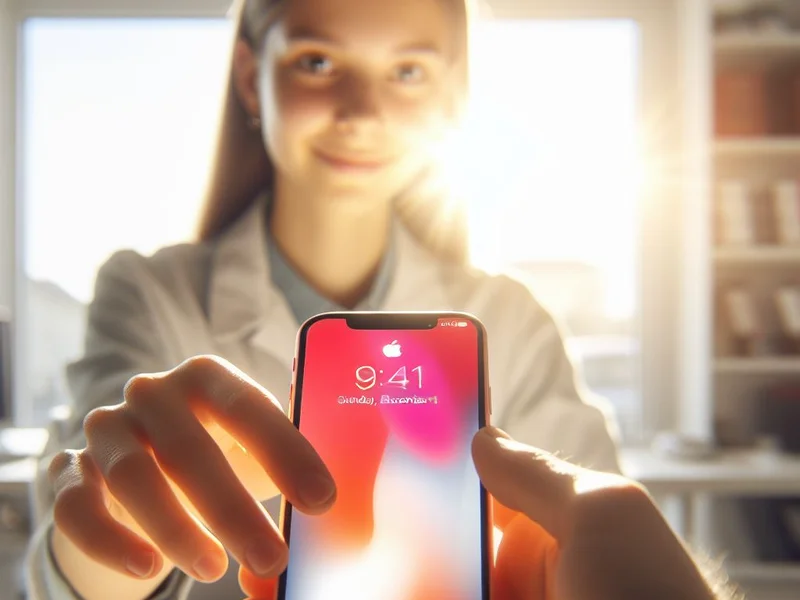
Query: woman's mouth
x: 353, y: 164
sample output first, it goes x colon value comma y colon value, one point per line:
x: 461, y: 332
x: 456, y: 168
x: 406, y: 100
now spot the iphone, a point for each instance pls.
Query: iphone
x: 391, y: 402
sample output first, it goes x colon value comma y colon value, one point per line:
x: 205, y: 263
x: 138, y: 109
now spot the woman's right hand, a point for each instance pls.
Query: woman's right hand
x: 184, y: 461
x: 572, y: 533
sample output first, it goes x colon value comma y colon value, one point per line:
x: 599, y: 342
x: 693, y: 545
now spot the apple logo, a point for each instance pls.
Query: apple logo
x: 392, y: 350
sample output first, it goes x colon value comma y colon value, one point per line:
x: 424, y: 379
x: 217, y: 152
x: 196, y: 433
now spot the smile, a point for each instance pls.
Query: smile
x: 351, y: 164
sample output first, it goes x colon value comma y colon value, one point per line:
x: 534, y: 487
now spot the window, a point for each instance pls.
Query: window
x: 119, y: 117
x: 552, y: 175
x: 552, y: 178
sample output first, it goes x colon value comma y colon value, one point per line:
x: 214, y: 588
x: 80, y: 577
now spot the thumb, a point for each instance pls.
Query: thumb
x: 526, y: 480
x: 255, y: 587
x: 526, y: 563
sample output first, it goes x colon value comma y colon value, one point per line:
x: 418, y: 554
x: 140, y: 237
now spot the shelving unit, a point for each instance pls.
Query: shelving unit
x: 759, y: 572
x: 706, y: 489
x: 754, y: 147
x: 756, y: 49
x: 774, y: 46
x: 763, y: 255
x: 758, y: 366
x: 683, y: 488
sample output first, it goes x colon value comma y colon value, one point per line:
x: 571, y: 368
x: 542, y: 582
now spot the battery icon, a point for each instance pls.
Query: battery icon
x: 461, y: 324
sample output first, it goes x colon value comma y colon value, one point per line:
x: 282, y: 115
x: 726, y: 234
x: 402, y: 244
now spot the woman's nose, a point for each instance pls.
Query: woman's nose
x: 359, y: 101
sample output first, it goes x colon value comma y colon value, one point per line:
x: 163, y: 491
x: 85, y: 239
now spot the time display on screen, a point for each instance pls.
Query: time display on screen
x: 368, y: 377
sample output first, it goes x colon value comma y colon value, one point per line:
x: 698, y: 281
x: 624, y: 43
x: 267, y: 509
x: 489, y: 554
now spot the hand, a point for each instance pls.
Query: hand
x: 575, y: 534
x: 568, y: 533
x: 189, y: 452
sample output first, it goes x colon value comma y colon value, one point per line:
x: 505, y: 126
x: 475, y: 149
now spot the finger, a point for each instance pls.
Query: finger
x: 526, y: 563
x: 255, y: 418
x: 257, y: 587
x: 81, y: 514
x: 501, y: 514
x: 525, y: 479
x: 136, y: 481
x: 190, y: 457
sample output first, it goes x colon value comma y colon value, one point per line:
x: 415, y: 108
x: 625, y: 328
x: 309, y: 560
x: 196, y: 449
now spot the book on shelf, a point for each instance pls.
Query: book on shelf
x: 740, y: 104
x: 740, y: 331
x: 735, y: 220
x: 786, y: 208
x: 742, y: 314
x: 757, y: 102
x: 787, y: 301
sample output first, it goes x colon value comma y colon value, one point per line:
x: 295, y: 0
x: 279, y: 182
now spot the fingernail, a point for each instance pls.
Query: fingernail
x: 141, y: 565
x: 206, y: 568
x: 317, y: 489
x: 496, y: 433
x: 262, y: 557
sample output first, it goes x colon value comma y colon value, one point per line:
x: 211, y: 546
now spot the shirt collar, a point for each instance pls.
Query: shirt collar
x: 306, y: 302
x: 243, y: 300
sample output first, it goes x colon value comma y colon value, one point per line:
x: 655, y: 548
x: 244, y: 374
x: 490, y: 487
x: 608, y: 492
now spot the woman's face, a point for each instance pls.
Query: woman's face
x: 355, y: 94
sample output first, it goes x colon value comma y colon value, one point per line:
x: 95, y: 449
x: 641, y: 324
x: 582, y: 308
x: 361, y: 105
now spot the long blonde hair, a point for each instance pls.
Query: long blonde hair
x: 241, y: 168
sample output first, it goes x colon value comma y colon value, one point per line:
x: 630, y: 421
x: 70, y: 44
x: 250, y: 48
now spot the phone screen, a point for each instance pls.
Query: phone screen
x: 392, y: 411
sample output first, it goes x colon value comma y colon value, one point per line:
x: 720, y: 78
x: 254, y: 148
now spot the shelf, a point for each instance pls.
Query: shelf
x: 758, y: 146
x: 774, y: 43
x: 17, y: 476
x: 758, y: 572
x: 757, y: 49
x: 767, y: 365
x: 757, y: 254
x: 728, y: 472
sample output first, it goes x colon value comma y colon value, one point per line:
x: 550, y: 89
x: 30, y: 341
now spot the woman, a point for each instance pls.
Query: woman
x: 322, y: 196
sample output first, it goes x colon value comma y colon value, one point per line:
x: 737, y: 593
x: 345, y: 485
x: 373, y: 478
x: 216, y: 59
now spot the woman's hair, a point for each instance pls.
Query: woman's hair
x: 241, y: 168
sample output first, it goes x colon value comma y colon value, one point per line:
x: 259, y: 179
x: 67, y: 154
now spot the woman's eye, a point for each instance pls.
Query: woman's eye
x: 315, y: 64
x: 410, y: 73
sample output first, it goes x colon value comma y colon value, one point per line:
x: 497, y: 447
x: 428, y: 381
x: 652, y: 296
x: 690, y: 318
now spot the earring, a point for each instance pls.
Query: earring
x: 254, y: 122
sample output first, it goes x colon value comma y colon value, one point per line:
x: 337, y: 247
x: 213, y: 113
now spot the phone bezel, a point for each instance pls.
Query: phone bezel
x: 407, y: 320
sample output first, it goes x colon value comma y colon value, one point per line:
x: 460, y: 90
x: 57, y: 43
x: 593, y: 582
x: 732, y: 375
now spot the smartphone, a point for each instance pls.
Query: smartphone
x: 391, y: 402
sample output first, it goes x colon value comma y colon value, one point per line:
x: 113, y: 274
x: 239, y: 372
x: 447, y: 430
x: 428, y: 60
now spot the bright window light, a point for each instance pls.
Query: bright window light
x: 119, y: 117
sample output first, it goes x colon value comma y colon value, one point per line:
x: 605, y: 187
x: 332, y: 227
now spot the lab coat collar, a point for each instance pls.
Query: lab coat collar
x: 243, y: 301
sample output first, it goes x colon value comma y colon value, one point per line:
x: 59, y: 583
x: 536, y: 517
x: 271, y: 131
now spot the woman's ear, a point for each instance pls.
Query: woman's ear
x: 245, y: 77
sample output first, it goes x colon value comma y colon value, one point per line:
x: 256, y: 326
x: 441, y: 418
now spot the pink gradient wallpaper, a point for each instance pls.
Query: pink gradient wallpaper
x: 392, y: 413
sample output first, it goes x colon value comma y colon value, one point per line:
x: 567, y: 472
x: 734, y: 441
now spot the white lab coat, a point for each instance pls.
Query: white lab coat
x: 151, y: 313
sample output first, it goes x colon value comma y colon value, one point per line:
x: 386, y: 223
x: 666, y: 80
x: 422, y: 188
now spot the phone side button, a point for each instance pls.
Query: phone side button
x: 490, y: 400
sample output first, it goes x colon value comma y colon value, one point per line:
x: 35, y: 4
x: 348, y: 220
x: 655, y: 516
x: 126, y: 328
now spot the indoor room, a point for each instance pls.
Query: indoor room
x: 598, y: 199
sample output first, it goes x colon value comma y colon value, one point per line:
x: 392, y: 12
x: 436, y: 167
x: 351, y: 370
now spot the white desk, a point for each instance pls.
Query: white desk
x: 739, y: 472
x: 16, y: 476
x: 729, y: 473
x: 15, y: 481
x: 682, y: 488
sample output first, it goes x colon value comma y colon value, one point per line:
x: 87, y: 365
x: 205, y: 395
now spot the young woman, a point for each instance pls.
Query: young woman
x: 323, y: 195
